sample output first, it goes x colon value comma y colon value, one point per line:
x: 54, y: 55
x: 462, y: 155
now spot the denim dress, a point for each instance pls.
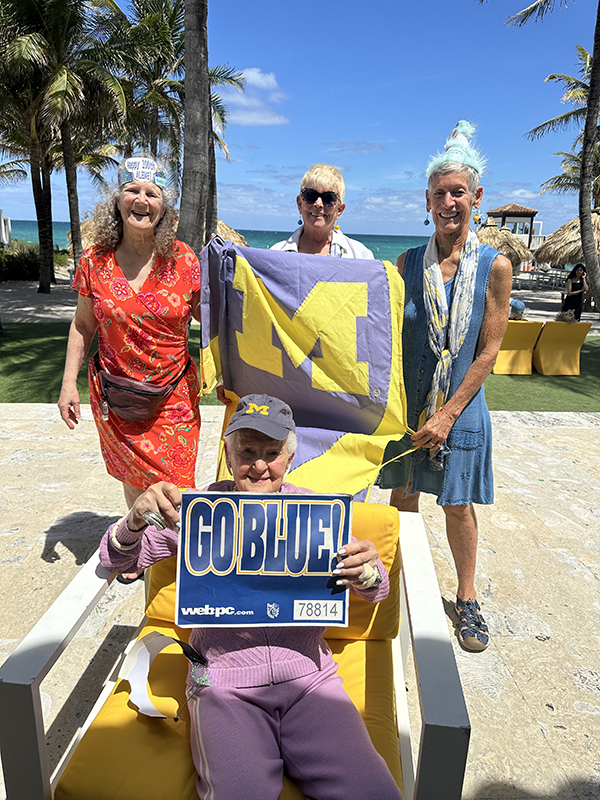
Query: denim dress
x: 467, y: 472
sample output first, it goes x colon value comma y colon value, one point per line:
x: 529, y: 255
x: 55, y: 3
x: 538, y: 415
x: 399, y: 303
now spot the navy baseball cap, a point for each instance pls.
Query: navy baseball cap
x: 263, y: 413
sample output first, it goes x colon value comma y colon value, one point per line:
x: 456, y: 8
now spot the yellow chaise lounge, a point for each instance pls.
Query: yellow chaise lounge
x: 119, y: 754
x: 558, y: 348
x: 514, y: 357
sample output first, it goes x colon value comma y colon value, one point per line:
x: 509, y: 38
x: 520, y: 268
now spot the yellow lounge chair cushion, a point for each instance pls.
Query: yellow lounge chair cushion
x: 127, y: 756
x: 558, y: 348
x: 367, y: 620
x: 514, y: 357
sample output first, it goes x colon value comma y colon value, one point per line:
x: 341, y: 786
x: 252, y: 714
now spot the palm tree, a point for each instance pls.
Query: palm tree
x: 198, y: 136
x: 25, y: 135
x: 150, y: 46
x: 588, y: 138
x: 63, y: 65
x: 577, y: 92
x: 569, y: 180
x: 537, y: 10
x: 218, y: 76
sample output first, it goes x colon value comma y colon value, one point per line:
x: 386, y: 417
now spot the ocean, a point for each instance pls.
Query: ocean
x: 26, y: 231
x: 382, y: 246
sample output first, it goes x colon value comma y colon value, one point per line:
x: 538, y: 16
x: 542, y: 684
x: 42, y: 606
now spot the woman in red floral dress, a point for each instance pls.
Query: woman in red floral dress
x: 138, y: 287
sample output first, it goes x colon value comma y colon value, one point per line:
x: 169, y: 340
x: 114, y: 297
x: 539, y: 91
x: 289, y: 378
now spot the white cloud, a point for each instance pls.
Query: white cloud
x: 256, y: 105
x: 525, y: 194
x: 260, y: 116
x: 262, y: 80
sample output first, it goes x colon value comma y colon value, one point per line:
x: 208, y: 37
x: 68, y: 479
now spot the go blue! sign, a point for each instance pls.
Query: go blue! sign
x: 261, y: 559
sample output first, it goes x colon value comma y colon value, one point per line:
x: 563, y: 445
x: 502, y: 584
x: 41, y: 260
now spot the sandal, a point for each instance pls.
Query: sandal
x: 472, y: 629
x: 122, y: 579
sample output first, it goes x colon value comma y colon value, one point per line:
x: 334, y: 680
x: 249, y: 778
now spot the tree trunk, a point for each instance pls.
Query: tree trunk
x: 71, y: 176
x: 211, y: 202
x: 197, y: 136
x: 40, y: 179
x: 590, y: 134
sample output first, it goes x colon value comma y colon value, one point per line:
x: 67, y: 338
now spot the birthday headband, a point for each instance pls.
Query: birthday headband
x: 458, y: 149
x: 141, y: 168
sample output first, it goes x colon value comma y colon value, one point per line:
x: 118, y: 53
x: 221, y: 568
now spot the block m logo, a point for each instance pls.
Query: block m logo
x: 254, y: 409
x: 327, y: 315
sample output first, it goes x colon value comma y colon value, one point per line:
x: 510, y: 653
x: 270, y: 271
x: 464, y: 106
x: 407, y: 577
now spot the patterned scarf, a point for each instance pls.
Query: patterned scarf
x: 446, y: 339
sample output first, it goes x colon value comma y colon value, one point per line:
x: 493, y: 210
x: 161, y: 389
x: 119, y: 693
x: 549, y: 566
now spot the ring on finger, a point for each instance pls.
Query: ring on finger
x: 368, y: 576
x: 155, y: 519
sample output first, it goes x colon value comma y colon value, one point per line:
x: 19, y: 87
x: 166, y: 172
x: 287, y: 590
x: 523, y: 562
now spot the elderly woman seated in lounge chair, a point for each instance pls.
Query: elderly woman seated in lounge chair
x: 272, y: 698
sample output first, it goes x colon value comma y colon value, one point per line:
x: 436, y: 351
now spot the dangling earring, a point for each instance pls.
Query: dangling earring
x: 426, y: 221
x: 300, y: 221
x: 476, y: 217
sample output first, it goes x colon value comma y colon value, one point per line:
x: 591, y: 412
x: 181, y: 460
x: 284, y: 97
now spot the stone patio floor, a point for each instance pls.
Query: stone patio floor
x: 533, y: 696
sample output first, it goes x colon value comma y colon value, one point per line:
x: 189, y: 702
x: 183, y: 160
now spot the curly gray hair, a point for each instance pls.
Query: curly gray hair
x: 108, y: 225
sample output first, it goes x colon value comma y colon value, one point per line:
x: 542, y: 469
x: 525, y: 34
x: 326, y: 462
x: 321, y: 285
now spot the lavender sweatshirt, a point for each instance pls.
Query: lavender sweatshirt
x: 237, y: 657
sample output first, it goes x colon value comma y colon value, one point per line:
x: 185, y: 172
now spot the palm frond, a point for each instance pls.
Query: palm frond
x: 222, y: 75
x: 536, y: 11
x: 568, y: 81
x: 63, y: 95
x: 29, y: 50
x: 558, y: 123
x: 12, y: 171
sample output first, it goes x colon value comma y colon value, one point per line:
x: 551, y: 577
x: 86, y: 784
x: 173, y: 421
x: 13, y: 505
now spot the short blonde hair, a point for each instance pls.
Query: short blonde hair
x: 324, y: 175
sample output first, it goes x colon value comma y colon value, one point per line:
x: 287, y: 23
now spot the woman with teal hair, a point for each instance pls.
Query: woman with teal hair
x: 457, y: 295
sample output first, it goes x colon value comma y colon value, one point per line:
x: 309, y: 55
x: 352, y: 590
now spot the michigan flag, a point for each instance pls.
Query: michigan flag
x: 325, y: 335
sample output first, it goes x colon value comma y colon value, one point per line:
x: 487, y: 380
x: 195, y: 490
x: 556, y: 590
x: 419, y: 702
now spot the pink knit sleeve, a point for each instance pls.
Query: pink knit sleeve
x: 153, y: 546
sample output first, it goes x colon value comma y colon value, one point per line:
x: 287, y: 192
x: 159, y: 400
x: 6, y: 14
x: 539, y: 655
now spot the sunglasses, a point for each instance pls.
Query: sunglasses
x: 311, y: 196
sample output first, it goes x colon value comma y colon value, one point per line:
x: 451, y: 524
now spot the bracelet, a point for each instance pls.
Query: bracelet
x: 117, y: 543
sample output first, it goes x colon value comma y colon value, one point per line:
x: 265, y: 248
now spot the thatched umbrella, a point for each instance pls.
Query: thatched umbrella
x: 505, y: 242
x: 225, y: 232
x: 564, y: 245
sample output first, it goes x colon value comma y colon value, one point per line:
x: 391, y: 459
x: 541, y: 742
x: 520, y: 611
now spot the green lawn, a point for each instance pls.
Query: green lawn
x: 32, y: 358
x: 550, y: 392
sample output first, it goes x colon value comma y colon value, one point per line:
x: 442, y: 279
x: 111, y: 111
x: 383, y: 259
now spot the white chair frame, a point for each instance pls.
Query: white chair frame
x: 445, y: 729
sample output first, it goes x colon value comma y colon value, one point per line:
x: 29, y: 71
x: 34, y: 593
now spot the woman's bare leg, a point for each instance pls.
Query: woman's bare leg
x: 408, y: 503
x: 461, y: 529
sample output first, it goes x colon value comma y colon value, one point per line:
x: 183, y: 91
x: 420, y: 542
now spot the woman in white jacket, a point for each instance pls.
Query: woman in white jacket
x: 321, y: 203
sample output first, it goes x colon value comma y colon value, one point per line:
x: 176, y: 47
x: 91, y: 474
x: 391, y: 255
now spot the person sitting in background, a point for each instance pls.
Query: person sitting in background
x: 517, y: 309
x: 321, y: 204
x: 269, y: 696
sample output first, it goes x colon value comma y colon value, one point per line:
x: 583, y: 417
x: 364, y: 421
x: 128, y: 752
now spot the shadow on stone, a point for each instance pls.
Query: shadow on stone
x: 572, y: 790
x: 79, y: 532
x: 451, y: 614
x: 85, y: 693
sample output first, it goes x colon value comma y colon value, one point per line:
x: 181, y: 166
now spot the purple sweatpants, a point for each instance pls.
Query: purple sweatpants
x: 242, y: 739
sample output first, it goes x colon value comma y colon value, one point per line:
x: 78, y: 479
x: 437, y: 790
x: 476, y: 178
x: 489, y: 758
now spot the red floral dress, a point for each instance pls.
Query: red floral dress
x: 144, y: 336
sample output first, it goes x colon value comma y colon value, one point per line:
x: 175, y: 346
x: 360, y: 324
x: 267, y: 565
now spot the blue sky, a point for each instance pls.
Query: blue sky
x: 375, y: 88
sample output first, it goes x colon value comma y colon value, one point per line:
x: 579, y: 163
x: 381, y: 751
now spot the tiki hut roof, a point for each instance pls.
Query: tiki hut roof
x: 514, y: 210
x: 505, y: 242
x: 564, y: 245
x: 225, y: 232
